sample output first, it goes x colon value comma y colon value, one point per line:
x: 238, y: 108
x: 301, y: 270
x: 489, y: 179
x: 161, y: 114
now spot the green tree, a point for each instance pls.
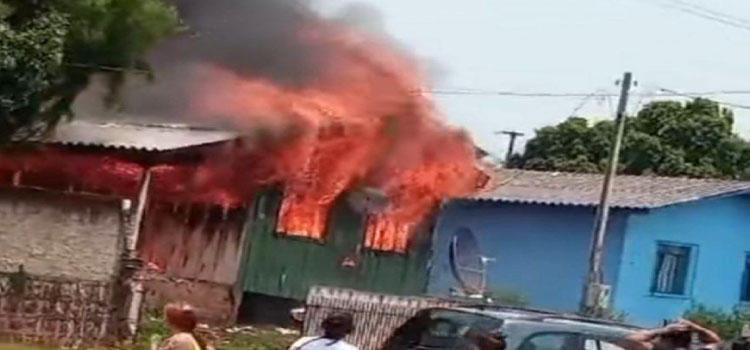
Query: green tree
x: 666, y: 138
x: 31, y: 55
x: 728, y: 324
x: 50, y: 48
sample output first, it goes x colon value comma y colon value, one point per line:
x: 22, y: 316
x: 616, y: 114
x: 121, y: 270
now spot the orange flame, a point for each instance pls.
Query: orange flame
x: 363, y: 120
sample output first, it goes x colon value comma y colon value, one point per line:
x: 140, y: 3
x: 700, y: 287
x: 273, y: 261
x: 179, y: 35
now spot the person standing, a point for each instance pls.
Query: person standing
x: 182, y: 321
x: 335, y: 328
x: 676, y: 336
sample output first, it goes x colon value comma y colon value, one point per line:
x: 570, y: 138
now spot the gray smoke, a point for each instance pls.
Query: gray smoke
x: 258, y: 37
x: 363, y: 17
x: 261, y: 38
x: 369, y: 19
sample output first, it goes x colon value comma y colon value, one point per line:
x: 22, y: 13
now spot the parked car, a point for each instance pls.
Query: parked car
x: 522, y: 329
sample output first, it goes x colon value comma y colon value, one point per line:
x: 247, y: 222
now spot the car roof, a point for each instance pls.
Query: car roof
x: 537, y: 315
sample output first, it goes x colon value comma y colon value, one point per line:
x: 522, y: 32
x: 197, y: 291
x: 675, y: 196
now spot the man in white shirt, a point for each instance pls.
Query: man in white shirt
x: 335, y: 328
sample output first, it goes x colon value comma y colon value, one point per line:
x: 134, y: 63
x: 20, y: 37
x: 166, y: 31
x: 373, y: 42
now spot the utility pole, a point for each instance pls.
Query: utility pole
x: 596, y: 294
x: 512, y: 142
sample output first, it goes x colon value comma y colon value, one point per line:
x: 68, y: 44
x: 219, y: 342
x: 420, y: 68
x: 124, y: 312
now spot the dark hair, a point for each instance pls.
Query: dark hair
x: 679, y: 340
x: 182, y: 317
x: 338, y: 325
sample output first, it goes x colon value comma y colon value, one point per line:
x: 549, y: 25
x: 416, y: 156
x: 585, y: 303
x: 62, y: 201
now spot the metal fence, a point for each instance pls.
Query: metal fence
x: 375, y: 315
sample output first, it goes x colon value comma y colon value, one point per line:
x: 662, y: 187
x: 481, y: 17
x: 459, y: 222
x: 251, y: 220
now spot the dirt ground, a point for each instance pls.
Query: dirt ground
x: 6, y: 346
x: 240, y: 338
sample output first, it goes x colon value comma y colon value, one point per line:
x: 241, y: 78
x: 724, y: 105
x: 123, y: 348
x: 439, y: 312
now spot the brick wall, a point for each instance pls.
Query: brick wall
x: 54, y: 311
x: 60, y: 235
x: 70, y: 247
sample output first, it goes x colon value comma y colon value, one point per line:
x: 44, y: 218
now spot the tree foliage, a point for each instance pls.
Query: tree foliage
x: 728, y: 324
x: 49, y: 49
x: 31, y: 56
x: 668, y: 138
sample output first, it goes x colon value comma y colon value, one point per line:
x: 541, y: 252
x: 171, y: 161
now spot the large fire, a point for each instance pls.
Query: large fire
x: 365, y: 121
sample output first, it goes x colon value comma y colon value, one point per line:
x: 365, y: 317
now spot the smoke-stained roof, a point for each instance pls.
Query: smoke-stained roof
x: 635, y: 192
x: 142, y: 137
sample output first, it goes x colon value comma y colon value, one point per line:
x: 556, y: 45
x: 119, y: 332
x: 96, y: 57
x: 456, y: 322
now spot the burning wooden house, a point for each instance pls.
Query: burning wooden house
x: 231, y: 222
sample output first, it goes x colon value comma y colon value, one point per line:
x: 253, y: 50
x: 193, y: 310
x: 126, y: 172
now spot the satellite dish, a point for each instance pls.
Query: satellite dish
x: 468, y: 265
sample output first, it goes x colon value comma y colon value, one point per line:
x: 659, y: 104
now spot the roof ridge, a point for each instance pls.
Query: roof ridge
x: 162, y: 125
x: 630, y: 191
x: 647, y: 176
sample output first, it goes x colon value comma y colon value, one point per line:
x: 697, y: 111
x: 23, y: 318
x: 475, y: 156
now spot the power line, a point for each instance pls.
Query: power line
x: 506, y: 93
x: 485, y: 92
x: 710, y: 11
x: 666, y: 93
x: 108, y: 68
x: 704, y: 13
x: 537, y: 94
x: 690, y: 95
x: 584, y: 101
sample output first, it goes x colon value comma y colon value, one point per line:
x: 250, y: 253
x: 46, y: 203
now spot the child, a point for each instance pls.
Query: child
x: 182, y: 321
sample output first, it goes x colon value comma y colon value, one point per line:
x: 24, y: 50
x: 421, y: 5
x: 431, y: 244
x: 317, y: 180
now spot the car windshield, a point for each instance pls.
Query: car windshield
x: 447, y: 329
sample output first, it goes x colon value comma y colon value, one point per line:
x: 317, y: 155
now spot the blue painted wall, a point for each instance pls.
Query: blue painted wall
x: 719, y: 230
x: 541, y: 250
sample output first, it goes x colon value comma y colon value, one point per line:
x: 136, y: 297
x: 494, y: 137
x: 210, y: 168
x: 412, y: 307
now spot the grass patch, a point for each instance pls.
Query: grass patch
x: 261, y: 339
x: 153, y: 330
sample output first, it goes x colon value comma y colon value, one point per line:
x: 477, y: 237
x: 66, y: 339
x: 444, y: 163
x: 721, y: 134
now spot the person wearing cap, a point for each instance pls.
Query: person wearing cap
x: 335, y: 328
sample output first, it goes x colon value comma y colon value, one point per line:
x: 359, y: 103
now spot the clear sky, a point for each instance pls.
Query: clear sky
x: 579, y: 46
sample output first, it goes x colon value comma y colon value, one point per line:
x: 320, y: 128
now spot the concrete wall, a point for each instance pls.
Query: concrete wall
x: 70, y: 246
x: 541, y: 251
x: 60, y: 235
x: 719, y: 231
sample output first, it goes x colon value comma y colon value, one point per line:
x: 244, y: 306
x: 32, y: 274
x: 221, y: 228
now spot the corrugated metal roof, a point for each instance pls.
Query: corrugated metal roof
x: 144, y: 137
x: 637, y: 192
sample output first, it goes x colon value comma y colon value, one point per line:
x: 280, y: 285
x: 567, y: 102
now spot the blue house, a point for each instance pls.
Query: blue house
x: 671, y: 244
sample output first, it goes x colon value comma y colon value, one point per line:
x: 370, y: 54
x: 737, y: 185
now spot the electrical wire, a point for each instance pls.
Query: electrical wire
x: 704, y: 13
x: 576, y: 94
x: 108, y: 68
x: 470, y: 92
x: 535, y: 94
x: 584, y: 101
x: 691, y: 95
x: 710, y: 11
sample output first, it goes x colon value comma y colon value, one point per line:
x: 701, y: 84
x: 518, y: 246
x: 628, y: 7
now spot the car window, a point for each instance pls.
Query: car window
x: 442, y: 329
x: 604, y: 345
